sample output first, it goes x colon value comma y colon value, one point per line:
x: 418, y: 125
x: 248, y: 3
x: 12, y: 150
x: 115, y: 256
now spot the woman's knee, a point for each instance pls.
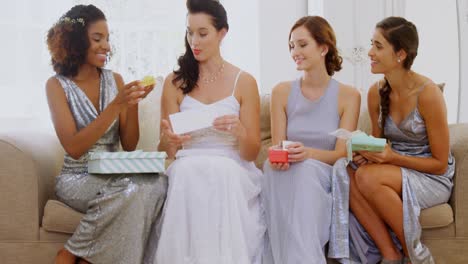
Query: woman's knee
x: 366, y: 182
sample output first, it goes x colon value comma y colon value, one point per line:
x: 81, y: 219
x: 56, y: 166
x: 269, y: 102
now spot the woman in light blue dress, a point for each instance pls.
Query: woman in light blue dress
x: 297, y: 194
x: 389, y: 189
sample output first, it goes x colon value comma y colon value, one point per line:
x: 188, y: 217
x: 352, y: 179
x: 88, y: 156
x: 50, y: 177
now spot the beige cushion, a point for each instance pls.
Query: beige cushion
x: 265, y: 133
x: 48, y: 236
x: 59, y: 217
x: 29, y: 161
x: 263, y: 153
x: 436, y: 216
x: 149, y: 115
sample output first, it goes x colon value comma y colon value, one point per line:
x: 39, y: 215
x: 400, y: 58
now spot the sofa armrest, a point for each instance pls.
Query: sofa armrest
x: 458, y: 201
x: 29, y: 162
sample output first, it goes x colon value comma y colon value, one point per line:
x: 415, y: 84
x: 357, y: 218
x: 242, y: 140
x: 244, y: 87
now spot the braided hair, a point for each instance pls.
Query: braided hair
x: 402, y: 35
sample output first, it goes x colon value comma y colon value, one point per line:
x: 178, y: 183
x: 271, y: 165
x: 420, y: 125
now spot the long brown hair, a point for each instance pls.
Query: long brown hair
x: 402, y: 35
x: 323, y: 34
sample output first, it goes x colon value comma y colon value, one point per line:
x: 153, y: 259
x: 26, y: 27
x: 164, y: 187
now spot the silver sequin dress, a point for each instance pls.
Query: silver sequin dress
x: 348, y: 241
x: 119, y: 209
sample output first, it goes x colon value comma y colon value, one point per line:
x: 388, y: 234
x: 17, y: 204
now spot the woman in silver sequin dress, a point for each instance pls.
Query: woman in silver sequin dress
x: 93, y: 110
x: 389, y: 189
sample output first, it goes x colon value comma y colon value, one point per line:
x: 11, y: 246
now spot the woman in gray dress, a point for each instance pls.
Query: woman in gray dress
x: 297, y: 194
x: 93, y: 110
x: 388, y: 189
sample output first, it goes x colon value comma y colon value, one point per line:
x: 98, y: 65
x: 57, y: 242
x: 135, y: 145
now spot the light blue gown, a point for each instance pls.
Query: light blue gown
x: 298, y: 201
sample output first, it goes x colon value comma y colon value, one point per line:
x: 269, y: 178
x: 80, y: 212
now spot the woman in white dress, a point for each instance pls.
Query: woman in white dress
x: 212, y: 214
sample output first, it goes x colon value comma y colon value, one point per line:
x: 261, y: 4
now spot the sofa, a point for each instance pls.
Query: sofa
x: 34, y: 225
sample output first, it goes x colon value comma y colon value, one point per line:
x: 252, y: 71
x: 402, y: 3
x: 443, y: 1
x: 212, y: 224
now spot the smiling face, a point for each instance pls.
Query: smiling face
x: 382, y: 54
x: 305, y: 51
x: 202, y: 36
x: 98, y: 35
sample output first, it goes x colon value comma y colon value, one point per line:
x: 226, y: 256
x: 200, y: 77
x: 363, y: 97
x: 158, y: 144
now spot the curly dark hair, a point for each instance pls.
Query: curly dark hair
x: 402, y: 35
x: 323, y: 34
x: 68, y: 41
x: 188, y: 72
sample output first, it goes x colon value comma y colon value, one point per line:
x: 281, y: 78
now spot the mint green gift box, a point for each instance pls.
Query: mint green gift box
x: 363, y: 142
x: 126, y: 162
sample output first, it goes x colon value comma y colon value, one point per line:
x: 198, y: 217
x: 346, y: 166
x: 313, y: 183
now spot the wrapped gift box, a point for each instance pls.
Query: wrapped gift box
x: 126, y: 162
x: 280, y: 153
x: 363, y: 142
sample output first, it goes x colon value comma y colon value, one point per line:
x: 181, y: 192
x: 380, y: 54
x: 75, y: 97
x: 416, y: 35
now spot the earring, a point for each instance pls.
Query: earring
x: 323, y: 54
x: 399, y: 60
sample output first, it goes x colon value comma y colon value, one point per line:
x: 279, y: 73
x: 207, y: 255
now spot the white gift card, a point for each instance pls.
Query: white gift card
x: 191, y: 120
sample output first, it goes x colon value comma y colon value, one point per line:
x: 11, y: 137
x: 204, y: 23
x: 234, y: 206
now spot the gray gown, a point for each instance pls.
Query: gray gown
x: 298, y: 201
x: 348, y: 241
x: 119, y: 209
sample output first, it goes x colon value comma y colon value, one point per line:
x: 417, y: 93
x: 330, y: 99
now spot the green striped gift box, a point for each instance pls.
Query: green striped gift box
x: 360, y: 141
x: 126, y: 162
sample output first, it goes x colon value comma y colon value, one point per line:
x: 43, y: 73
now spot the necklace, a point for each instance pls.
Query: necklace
x: 214, y: 76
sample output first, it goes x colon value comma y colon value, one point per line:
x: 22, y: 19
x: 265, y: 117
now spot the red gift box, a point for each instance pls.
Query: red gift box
x: 278, y: 155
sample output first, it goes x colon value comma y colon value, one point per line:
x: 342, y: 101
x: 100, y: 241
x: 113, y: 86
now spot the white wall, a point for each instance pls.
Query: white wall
x: 438, y: 46
x: 354, y: 22
x: 438, y: 58
x: 25, y: 62
x: 463, y: 43
x: 276, y: 19
x: 241, y: 44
